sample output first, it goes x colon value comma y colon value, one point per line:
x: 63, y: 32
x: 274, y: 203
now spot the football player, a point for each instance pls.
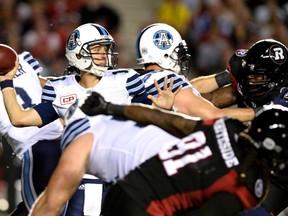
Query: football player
x: 31, y: 144
x: 257, y: 76
x: 89, y: 49
x: 217, y: 167
x: 162, y: 52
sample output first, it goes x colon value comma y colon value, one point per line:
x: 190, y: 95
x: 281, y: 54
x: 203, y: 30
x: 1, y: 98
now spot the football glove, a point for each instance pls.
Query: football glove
x: 95, y: 104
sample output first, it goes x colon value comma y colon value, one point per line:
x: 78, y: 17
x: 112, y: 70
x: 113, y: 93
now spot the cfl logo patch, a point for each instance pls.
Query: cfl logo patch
x: 69, y: 99
x: 163, y: 39
x: 278, y: 54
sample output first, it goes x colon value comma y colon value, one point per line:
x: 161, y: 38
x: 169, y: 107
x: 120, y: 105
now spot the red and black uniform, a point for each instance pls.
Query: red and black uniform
x: 185, y: 177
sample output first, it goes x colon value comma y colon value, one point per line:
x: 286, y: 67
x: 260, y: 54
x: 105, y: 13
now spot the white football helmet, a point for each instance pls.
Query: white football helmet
x: 78, y: 47
x: 162, y: 44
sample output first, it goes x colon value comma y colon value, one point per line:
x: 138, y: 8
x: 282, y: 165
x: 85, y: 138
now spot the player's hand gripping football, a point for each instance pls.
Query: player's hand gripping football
x: 10, y: 74
x: 94, y: 105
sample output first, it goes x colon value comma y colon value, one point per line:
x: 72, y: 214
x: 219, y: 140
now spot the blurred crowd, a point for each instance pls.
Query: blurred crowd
x: 42, y: 26
x: 213, y: 29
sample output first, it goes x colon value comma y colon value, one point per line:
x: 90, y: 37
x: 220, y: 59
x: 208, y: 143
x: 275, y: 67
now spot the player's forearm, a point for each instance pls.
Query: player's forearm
x: 242, y: 114
x: 43, y: 208
x: 168, y: 121
x: 205, y: 84
x: 223, y: 97
x: 13, y: 109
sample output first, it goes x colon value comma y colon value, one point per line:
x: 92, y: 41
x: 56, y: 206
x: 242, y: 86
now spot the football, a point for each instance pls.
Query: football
x: 8, y: 57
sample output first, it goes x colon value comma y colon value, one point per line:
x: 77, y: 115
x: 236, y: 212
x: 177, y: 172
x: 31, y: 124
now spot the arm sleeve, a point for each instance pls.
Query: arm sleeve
x: 223, y: 78
x: 47, y: 112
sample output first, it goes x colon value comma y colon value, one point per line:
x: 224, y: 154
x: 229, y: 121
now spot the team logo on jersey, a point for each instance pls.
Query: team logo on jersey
x: 277, y: 54
x: 241, y: 52
x: 72, y: 40
x: 163, y: 39
x: 69, y: 99
x: 259, y: 188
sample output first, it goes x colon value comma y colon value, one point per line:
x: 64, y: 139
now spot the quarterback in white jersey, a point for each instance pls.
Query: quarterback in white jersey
x: 119, y: 86
x: 89, y: 49
x: 22, y: 140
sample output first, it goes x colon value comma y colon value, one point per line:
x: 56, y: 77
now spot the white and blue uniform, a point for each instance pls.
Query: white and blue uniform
x: 119, y: 145
x: 148, y: 78
x: 24, y: 139
x: 121, y: 86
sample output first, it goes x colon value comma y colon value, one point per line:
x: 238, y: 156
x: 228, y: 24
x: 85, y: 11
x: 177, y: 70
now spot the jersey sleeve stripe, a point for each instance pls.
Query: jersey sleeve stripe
x: 48, y: 94
x: 32, y: 62
x: 73, y: 130
x: 177, y: 82
x: 135, y: 85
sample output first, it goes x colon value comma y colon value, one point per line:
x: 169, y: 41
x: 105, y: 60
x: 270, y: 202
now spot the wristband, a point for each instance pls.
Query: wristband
x: 6, y: 84
x: 223, y: 78
x: 115, y: 110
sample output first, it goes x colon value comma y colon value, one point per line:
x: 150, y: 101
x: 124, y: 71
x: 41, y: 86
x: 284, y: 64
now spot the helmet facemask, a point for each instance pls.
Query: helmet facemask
x: 92, y: 52
x: 182, y: 58
x: 255, y: 83
x: 264, y: 70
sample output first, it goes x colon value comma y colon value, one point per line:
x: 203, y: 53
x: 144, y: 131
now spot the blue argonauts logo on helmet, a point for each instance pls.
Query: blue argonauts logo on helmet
x: 72, y: 40
x: 163, y: 39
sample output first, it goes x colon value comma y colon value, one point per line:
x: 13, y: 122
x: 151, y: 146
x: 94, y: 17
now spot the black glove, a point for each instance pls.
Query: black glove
x: 95, y: 104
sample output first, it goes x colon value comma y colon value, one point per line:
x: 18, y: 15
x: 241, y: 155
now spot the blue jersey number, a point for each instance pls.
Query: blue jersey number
x: 27, y: 101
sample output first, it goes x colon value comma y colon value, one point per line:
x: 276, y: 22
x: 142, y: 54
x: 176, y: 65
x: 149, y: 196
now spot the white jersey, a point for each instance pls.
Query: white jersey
x: 28, y: 90
x: 149, y: 77
x: 117, y: 86
x: 119, y: 145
